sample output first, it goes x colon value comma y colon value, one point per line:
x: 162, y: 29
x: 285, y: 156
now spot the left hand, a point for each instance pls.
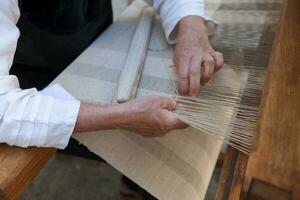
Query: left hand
x: 195, y: 59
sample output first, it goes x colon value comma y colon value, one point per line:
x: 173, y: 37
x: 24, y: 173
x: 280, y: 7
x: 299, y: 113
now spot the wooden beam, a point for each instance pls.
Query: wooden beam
x: 227, y: 174
x: 276, y: 161
x: 135, y: 59
x: 232, y: 176
x: 18, y: 167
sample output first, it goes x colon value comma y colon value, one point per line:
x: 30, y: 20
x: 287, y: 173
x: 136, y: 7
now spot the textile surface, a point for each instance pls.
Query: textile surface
x: 178, y: 166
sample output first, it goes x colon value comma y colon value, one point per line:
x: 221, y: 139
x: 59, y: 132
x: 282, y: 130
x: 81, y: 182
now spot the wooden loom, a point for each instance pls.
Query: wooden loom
x: 272, y: 169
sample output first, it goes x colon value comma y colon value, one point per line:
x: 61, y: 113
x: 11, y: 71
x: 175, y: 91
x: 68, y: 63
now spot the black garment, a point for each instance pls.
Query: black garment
x: 53, y: 34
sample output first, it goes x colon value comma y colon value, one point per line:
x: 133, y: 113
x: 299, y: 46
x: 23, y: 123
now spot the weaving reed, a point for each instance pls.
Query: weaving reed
x: 209, y: 111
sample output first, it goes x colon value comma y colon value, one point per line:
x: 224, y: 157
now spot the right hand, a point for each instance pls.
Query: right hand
x: 150, y: 116
x: 195, y: 59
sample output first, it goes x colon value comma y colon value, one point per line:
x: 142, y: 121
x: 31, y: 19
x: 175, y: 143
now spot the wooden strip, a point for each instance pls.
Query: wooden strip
x: 226, y: 174
x: 276, y: 158
x: 238, y: 177
x: 232, y: 175
x: 18, y: 167
x: 135, y: 59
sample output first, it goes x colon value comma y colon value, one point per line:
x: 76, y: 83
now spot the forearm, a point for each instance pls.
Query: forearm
x: 172, y: 11
x: 149, y: 116
x: 92, y: 117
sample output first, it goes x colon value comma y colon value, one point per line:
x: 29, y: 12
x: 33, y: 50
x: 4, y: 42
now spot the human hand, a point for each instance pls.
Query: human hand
x: 195, y: 59
x: 150, y: 116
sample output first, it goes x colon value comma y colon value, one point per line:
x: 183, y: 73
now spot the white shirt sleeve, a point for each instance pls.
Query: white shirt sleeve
x: 172, y: 11
x: 29, y: 117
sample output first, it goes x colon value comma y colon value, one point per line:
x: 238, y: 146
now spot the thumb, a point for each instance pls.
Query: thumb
x: 167, y: 103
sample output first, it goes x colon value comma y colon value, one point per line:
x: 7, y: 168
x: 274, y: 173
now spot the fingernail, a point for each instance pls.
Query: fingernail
x: 174, y: 103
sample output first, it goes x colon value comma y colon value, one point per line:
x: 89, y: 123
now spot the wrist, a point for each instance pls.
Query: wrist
x: 192, y: 24
x: 192, y: 30
x: 122, y: 115
x: 118, y: 115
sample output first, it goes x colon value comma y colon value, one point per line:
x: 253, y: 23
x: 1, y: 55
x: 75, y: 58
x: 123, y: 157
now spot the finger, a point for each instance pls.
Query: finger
x: 167, y: 103
x: 195, y: 76
x: 208, y: 68
x: 182, y: 66
x: 219, y: 60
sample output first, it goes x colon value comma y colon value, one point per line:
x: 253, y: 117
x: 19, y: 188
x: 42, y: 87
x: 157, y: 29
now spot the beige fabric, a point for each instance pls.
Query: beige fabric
x: 178, y: 166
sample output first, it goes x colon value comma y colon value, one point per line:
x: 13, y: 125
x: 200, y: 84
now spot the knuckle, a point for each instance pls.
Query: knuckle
x: 181, y: 57
x: 182, y: 67
x: 182, y: 76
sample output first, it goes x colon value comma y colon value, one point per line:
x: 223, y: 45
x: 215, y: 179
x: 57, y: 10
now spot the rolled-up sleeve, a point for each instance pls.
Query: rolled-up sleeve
x: 29, y: 117
x: 172, y: 11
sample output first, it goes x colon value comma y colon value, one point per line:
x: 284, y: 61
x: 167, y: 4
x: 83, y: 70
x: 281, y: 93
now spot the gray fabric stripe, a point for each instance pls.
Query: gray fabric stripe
x: 169, y: 158
x: 95, y: 72
x: 251, y: 6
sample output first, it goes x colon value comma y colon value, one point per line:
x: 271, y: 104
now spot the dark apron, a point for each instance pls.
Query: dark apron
x: 53, y: 34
